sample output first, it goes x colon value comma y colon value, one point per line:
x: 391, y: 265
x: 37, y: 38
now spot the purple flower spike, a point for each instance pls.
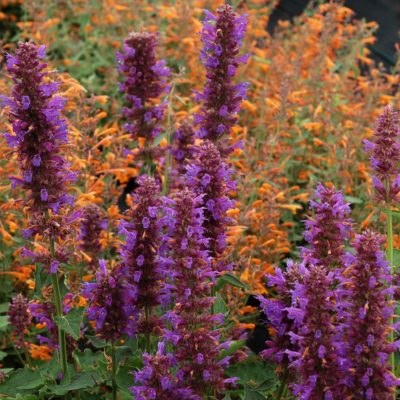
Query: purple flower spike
x: 144, y: 80
x: 142, y: 233
x: 112, y: 304
x: 210, y: 177
x: 91, y: 225
x: 367, y: 324
x: 193, y: 334
x: 327, y: 231
x: 222, y: 36
x: 317, y: 361
x: 384, y: 148
x: 19, y: 319
x: 40, y: 130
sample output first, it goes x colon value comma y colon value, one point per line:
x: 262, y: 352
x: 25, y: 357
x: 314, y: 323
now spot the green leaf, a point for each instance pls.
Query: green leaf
x: 230, y: 279
x: 219, y: 306
x: 3, y: 322
x: 17, y: 379
x: 71, y: 323
x: 3, y: 355
x: 353, y: 200
x: 96, y: 342
x: 124, y: 378
x: 252, y: 394
x: 87, y: 360
x: 82, y: 381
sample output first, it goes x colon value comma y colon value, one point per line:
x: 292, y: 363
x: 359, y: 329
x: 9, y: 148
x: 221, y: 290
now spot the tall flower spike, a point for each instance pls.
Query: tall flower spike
x: 210, y: 177
x: 317, y: 361
x: 140, y: 250
x: 367, y: 325
x: 194, y: 336
x: 91, y: 225
x: 112, y: 304
x: 276, y: 311
x: 222, y: 36
x: 384, y: 148
x: 19, y: 319
x: 39, y: 128
x: 327, y: 231
x: 183, y: 146
x: 144, y: 81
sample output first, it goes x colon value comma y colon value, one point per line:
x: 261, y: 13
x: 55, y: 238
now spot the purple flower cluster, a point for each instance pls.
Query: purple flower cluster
x: 91, y: 225
x: 183, y: 146
x: 156, y: 381
x: 385, y: 154
x: 40, y: 130
x: 19, y: 319
x: 317, y: 360
x: 222, y: 36
x: 276, y: 310
x: 42, y: 313
x: 367, y: 325
x: 194, y: 335
x: 210, y: 176
x: 144, y: 79
x: 139, y: 253
x: 112, y: 304
x: 329, y: 228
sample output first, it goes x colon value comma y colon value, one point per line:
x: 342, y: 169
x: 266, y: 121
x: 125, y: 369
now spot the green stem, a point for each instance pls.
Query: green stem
x: 58, y: 304
x: 282, y: 387
x: 389, y: 223
x: 114, y: 372
x: 147, y: 312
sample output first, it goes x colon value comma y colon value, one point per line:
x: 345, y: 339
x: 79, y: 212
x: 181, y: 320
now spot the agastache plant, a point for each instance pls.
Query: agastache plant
x: 211, y: 177
x: 91, y: 225
x: 384, y: 148
x: 19, y: 318
x: 144, y: 81
x: 328, y: 229
x: 139, y: 252
x: 317, y: 361
x: 222, y: 36
x: 193, y: 333
x: 369, y: 309
x: 40, y: 134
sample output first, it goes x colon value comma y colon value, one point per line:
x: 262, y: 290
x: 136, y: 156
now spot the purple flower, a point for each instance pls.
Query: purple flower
x: 139, y: 253
x: 19, y: 319
x: 367, y: 323
x: 112, y: 304
x: 91, y: 226
x: 318, y: 364
x: 193, y: 334
x: 157, y: 381
x: 281, y: 317
x: 209, y: 176
x: 384, y: 148
x: 39, y: 128
x: 144, y: 80
x: 222, y: 36
x: 328, y: 229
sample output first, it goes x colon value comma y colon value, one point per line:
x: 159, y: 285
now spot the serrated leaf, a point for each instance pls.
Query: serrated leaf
x: 230, y: 279
x: 71, y: 323
x: 98, y: 343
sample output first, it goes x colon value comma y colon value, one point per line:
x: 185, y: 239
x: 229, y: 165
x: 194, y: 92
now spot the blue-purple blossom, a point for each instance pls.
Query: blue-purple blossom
x: 222, y: 36
x: 40, y: 131
x: 384, y: 148
x: 328, y: 229
x: 112, y: 304
x: 193, y: 334
x: 139, y: 252
x: 318, y: 360
x: 367, y: 293
x: 211, y: 177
